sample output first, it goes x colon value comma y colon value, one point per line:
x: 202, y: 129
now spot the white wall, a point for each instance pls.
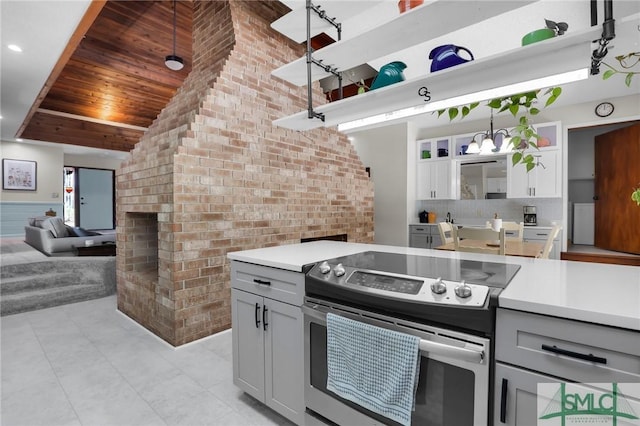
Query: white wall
x: 385, y: 152
x: 48, y: 172
x: 17, y: 206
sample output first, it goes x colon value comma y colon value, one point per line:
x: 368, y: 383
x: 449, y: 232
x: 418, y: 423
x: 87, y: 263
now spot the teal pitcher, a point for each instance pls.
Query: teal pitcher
x: 389, y: 74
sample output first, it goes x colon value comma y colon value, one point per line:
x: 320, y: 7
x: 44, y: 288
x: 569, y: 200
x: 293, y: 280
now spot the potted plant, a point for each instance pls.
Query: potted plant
x: 626, y: 62
x: 552, y: 29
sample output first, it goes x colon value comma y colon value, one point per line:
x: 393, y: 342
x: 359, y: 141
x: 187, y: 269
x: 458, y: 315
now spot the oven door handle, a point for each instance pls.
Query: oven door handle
x: 464, y: 354
x: 436, y: 348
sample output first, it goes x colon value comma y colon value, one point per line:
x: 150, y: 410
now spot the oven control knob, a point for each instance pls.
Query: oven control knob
x: 462, y: 290
x: 339, y: 270
x: 324, y: 267
x: 438, y: 287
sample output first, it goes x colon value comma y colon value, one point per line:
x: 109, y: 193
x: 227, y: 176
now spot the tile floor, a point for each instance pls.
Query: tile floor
x: 88, y: 364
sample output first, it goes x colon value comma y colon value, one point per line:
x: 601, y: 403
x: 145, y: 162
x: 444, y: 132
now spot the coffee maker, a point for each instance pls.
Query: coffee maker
x: 530, y: 217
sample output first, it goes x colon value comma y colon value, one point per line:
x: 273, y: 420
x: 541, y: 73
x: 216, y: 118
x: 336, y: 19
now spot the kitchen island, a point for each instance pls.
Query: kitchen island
x: 559, y: 302
x: 596, y: 293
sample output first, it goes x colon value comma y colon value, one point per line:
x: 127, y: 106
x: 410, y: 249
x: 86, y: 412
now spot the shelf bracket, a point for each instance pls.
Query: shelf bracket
x: 608, y: 34
x: 312, y: 61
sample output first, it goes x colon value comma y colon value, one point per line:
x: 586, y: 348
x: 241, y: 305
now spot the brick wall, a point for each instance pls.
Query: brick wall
x: 217, y: 176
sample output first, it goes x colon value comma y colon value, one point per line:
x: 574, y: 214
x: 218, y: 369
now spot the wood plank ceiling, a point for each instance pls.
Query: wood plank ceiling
x: 115, y: 83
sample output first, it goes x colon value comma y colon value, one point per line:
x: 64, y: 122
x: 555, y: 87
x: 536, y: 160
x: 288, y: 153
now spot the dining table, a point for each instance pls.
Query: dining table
x: 511, y: 247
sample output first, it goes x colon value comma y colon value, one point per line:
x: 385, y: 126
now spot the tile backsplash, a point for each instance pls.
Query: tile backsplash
x: 479, y: 211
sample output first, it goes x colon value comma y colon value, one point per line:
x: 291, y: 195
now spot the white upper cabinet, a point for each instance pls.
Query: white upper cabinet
x: 543, y: 181
x: 434, y: 180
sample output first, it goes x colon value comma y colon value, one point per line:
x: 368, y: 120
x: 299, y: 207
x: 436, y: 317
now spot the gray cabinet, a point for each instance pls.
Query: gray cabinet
x: 267, y: 337
x: 540, y: 235
x: 533, y: 349
x: 424, y: 236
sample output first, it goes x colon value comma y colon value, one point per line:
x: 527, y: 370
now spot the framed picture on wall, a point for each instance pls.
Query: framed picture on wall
x: 19, y: 174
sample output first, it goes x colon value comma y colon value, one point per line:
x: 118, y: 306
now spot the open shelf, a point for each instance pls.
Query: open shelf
x: 430, y: 20
x: 569, y: 52
x: 294, y: 23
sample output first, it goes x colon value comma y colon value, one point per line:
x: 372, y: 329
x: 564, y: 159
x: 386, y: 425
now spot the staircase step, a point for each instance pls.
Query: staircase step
x: 32, y: 282
x: 38, y: 285
x: 49, y: 297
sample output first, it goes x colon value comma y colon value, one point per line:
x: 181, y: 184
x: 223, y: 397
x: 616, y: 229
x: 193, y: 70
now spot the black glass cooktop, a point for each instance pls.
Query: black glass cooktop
x: 472, y: 271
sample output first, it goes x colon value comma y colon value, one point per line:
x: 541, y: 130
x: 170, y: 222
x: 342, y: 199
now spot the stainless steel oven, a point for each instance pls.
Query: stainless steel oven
x: 448, y: 303
x: 453, y: 381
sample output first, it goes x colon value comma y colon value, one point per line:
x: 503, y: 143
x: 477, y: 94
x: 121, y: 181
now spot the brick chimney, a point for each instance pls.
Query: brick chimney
x: 213, y: 175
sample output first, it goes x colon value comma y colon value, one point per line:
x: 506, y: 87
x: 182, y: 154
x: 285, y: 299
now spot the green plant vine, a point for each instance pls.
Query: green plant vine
x: 626, y: 62
x: 635, y: 195
x: 522, y: 106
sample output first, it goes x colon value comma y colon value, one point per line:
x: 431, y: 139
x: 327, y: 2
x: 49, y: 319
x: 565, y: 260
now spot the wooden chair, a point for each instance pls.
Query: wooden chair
x: 512, y: 226
x: 548, y: 245
x: 474, y: 240
x: 445, y: 228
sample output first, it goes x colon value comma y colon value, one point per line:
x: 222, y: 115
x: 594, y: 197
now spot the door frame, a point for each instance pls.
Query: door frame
x: 565, y: 160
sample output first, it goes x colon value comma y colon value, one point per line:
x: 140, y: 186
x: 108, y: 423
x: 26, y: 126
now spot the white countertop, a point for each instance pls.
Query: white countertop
x: 592, y: 292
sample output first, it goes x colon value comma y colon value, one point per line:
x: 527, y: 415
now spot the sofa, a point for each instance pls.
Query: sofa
x: 50, y: 235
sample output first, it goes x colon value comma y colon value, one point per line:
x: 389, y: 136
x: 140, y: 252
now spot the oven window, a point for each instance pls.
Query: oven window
x: 444, y: 396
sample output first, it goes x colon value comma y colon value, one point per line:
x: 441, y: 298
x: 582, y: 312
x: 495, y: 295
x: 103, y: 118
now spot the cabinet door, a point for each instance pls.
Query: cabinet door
x: 248, y: 342
x: 516, y: 396
x: 423, y: 185
x: 419, y: 240
x: 547, y: 178
x: 441, y: 178
x: 543, y: 181
x: 284, y: 360
x: 436, y: 241
x: 518, y: 185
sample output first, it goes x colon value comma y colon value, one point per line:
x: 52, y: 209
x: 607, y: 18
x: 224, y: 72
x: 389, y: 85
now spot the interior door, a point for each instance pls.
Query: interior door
x: 95, y: 199
x: 617, y: 172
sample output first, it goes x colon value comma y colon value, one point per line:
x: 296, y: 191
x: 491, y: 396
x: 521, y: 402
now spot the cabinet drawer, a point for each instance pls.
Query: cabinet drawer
x: 573, y: 350
x: 537, y: 234
x: 277, y: 284
x: 420, y: 229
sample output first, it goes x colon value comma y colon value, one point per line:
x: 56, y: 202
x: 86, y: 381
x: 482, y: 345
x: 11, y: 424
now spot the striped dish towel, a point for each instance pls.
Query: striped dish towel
x: 374, y: 367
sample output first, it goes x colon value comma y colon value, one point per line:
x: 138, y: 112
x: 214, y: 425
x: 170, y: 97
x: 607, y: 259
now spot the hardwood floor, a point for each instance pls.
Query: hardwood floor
x: 584, y: 253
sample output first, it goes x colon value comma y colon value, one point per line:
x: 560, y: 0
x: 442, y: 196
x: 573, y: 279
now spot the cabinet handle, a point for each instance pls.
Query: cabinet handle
x: 257, y: 315
x: 503, y: 401
x: 572, y: 354
x: 261, y: 282
x: 264, y: 319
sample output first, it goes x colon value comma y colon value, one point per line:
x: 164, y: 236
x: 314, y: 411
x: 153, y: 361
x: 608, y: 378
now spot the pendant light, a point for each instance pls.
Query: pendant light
x: 174, y: 62
x: 488, y: 146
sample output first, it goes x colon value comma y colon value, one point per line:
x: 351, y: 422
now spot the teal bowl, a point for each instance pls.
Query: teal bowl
x: 538, y: 35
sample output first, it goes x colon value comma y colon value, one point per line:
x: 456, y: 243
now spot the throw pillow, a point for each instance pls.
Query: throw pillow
x: 47, y: 225
x: 58, y: 225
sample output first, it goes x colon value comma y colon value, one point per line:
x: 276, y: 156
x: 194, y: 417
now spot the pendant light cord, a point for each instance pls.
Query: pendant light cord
x: 174, y: 27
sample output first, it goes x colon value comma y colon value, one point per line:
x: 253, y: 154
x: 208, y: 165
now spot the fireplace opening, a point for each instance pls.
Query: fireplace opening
x: 141, y: 230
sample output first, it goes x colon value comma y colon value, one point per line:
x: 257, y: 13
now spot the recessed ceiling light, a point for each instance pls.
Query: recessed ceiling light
x: 19, y: 140
x: 14, y: 47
